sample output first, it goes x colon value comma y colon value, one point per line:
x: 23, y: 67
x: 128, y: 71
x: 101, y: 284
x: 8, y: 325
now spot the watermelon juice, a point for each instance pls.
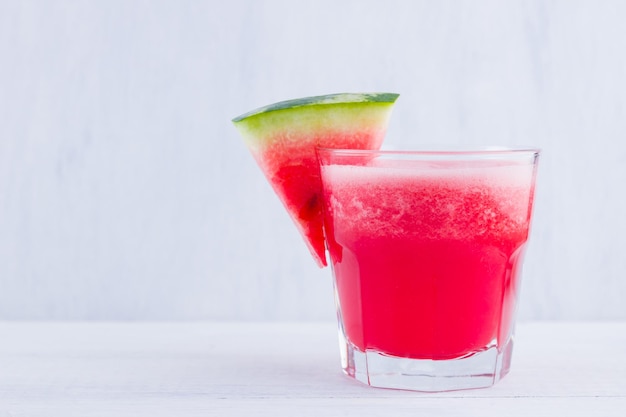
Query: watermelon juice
x: 426, y: 250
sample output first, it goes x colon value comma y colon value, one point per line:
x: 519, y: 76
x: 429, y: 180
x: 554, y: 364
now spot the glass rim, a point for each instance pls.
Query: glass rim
x: 435, y: 151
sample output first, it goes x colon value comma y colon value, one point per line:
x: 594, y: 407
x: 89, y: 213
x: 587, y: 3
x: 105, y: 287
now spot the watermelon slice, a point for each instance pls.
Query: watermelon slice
x: 283, y: 137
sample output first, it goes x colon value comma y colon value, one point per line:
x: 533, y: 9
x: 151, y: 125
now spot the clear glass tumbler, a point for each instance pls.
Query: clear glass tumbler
x: 426, y: 249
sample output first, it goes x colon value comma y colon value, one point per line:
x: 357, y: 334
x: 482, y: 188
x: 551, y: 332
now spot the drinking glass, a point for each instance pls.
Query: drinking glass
x: 426, y: 249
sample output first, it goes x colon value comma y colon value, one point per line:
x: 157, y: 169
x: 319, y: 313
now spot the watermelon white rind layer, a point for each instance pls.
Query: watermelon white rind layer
x: 283, y: 138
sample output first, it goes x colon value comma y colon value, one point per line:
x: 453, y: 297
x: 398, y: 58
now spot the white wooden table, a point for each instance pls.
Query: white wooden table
x: 284, y: 369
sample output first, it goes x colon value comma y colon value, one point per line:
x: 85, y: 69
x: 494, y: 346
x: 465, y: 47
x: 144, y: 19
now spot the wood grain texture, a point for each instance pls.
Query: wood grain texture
x: 241, y: 369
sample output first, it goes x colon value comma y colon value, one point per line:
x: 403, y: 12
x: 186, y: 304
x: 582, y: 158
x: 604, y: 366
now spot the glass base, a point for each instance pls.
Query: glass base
x: 479, y: 370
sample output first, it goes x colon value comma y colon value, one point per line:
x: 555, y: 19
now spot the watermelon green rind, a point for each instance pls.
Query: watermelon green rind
x: 340, y: 98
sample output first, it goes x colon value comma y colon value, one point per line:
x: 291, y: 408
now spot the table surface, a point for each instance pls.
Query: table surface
x: 284, y: 369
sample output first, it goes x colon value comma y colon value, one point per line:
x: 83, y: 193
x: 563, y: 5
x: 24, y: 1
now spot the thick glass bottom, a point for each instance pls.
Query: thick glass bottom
x: 478, y: 370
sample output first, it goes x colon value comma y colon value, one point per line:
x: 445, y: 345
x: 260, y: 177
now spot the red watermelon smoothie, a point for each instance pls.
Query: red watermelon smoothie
x: 426, y: 250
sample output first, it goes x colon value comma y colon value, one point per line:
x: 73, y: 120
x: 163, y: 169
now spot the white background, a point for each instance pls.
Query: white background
x: 125, y: 192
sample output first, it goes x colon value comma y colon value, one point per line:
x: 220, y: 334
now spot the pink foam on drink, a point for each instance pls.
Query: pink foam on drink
x: 437, y: 200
